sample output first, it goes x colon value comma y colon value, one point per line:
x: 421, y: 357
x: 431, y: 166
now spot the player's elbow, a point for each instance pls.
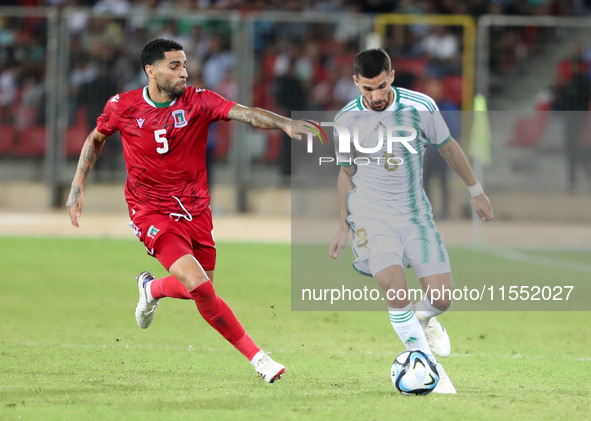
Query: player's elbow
x: 451, y: 152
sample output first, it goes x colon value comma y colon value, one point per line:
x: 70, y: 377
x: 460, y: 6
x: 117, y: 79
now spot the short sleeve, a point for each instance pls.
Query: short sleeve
x: 435, y: 128
x: 215, y: 106
x: 107, y: 122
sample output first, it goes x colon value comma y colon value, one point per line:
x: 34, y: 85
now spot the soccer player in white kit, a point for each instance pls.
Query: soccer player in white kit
x: 383, y: 203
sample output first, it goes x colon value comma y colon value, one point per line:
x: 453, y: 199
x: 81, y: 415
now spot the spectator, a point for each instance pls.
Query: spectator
x: 117, y: 7
x: 92, y: 95
x: 218, y: 131
x: 31, y: 111
x: 442, y: 49
x: 434, y: 165
x: 8, y: 90
x: 289, y: 97
x: 218, y: 61
x: 573, y: 99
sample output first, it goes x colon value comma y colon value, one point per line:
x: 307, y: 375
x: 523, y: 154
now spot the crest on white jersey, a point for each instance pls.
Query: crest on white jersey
x: 179, y: 118
x: 140, y: 122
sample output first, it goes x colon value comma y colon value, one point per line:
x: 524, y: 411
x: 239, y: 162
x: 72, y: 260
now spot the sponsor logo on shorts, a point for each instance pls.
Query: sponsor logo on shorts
x: 153, y: 231
x: 136, y: 230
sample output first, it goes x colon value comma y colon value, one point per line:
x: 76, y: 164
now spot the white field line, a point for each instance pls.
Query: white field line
x: 523, y: 257
x: 228, y: 228
x: 191, y: 348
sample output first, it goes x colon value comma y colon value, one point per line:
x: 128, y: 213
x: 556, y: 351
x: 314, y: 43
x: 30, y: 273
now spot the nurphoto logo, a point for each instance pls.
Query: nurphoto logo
x: 386, y: 134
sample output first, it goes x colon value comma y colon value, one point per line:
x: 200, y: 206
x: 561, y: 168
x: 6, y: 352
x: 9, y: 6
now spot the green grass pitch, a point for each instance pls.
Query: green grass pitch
x: 70, y: 348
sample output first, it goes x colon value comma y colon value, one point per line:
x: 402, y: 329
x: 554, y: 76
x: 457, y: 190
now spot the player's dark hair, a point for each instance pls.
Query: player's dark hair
x: 370, y: 63
x: 154, y: 50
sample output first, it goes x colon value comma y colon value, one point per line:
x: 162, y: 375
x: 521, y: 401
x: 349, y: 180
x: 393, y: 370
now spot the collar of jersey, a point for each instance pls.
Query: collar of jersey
x: 154, y: 103
x: 390, y: 108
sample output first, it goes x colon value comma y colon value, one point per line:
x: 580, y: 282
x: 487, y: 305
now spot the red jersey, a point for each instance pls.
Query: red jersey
x: 164, y: 148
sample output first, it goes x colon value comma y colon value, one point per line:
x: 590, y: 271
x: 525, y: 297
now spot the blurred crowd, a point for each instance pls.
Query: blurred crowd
x: 457, y: 7
x: 298, y: 65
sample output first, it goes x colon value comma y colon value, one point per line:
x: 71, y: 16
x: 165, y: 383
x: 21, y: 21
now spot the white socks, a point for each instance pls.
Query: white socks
x: 148, y: 288
x: 407, y: 327
x: 425, y: 310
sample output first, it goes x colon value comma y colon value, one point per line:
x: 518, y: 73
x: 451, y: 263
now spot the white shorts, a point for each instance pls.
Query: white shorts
x: 377, y: 244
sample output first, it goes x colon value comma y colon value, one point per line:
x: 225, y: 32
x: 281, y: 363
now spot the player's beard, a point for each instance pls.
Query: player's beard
x: 383, y: 106
x: 173, y: 91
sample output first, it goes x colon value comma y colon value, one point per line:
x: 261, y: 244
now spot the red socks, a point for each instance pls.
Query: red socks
x: 220, y: 316
x: 169, y: 287
x: 214, y: 310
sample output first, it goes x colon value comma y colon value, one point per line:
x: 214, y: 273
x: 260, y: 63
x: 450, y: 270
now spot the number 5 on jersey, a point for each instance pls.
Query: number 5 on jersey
x: 159, y: 136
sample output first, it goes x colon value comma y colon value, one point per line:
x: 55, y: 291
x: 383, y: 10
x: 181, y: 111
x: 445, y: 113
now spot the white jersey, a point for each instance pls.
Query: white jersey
x: 389, y: 181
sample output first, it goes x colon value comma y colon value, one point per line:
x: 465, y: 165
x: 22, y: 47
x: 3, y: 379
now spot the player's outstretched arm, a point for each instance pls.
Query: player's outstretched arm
x: 263, y: 119
x: 454, y: 156
x: 90, y: 151
x: 344, y: 186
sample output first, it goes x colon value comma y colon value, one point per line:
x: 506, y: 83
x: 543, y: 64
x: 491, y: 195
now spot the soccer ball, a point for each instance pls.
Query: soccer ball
x: 414, y: 372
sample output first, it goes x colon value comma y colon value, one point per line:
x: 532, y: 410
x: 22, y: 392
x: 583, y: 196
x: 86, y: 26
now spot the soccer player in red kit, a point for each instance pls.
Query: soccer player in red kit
x: 164, y: 133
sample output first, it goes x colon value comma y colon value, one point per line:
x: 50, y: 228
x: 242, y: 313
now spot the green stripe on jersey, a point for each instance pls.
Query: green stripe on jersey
x: 359, y: 103
x: 439, y: 241
x: 347, y: 200
x: 426, y: 202
x: 443, y: 143
x: 407, y: 157
x: 349, y: 107
x: 421, y: 98
x: 412, y: 197
x: 424, y: 100
x: 397, y: 92
x: 362, y: 272
x: 426, y: 243
x: 425, y: 104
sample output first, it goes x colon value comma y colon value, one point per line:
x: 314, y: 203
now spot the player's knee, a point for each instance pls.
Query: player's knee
x: 193, y: 280
x: 189, y: 272
x: 442, y: 303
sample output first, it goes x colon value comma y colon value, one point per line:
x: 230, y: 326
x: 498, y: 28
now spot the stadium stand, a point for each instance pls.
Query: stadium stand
x: 321, y: 55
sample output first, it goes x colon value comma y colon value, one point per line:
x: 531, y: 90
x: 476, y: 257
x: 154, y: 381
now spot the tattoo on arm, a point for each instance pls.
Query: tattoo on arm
x: 258, y: 117
x: 90, y: 152
x: 75, y: 192
x: 88, y: 159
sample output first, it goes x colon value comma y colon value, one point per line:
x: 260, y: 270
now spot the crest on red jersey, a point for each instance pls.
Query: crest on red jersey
x: 179, y: 118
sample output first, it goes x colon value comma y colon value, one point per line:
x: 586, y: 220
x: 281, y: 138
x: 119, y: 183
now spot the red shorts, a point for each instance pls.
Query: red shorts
x: 168, y: 239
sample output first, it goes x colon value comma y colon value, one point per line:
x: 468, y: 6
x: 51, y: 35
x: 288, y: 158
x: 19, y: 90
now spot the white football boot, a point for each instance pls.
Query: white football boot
x: 144, y: 312
x: 268, y: 369
x: 436, y: 335
x: 444, y: 385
